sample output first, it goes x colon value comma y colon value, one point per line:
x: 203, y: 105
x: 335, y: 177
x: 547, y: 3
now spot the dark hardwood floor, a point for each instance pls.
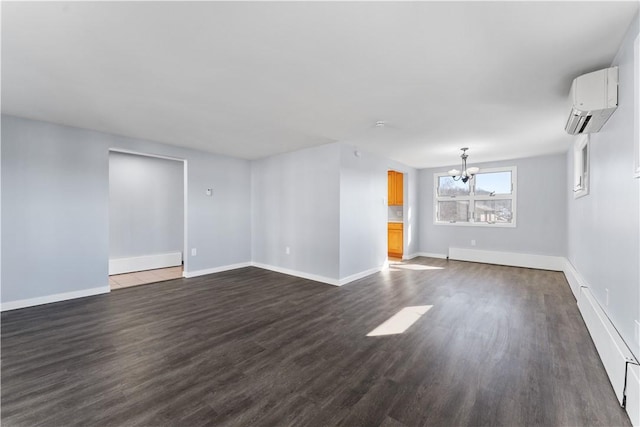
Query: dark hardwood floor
x: 500, y: 346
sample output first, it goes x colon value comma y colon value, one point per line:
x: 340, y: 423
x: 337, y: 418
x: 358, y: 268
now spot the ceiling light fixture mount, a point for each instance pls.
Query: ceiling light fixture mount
x: 380, y: 123
x: 466, y: 173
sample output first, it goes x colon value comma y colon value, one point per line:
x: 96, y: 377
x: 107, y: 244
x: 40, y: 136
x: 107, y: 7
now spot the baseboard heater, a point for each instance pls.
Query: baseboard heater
x: 614, y: 353
x: 542, y: 262
x: 145, y: 262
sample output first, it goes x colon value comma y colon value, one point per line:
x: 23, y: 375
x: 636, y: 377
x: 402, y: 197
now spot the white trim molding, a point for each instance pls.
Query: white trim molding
x: 636, y: 107
x: 140, y: 153
x: 574, y: 278
x: 359, y: 275
x: 633, y: 394
x: 145, y: 262
x: 296, y: 273
x: 13, y: 305
x: 581, y: 166
x: 618, y: 361
x: 612, y: 349
x: 513, y: 259
x: 196, y: 273
x: 287, y: 271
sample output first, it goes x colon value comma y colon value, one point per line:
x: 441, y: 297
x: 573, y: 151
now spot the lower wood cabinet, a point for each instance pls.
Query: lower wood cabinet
x: 395, y: 239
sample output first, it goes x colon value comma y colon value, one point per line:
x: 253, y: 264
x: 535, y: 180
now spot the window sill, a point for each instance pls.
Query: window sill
x: 580, y: 193
x: 477, y: 224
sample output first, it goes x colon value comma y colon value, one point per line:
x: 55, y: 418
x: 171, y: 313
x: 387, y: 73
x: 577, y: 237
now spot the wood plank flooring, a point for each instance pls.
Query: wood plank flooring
x: 500, y: 346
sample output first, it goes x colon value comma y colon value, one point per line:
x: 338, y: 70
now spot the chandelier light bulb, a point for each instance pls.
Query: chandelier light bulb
x: 466, y: 173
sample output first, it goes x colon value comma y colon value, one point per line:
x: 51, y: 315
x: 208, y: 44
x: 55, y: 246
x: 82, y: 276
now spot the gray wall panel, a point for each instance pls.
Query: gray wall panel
x: 604, y: 233
x: 55, y: 204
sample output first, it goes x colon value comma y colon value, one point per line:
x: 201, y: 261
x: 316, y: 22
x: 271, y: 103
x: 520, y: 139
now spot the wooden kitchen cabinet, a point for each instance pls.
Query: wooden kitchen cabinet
x: 395, y: 182
x: 391, y: 187
x: 399, y: 188
x: 395, y: 239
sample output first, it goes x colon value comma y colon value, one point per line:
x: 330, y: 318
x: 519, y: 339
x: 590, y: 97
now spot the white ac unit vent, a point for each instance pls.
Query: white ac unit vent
x: 593, y: 97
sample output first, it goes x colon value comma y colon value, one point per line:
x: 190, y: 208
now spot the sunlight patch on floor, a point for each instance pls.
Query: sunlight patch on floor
x: 401, y: 321
x: 397, y: 267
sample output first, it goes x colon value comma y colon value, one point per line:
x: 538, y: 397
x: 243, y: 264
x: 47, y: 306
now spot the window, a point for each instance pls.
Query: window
x: 581, y: 167
x: 489, y: 199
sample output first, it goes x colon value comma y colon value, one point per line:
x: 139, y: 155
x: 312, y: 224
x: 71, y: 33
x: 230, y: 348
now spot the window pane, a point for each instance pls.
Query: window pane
x: 448, y: 187
x: 493, y: 211
x: 456, y: 210
x: 493, y: 183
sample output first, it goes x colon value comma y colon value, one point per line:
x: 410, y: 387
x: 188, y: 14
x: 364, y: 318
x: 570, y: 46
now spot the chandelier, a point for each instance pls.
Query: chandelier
x: 466, y: 173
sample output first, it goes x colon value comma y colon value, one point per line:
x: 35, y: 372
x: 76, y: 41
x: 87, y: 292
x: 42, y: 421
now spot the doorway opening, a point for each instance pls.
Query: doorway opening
x: 395, y: 221
x: 147, y: 215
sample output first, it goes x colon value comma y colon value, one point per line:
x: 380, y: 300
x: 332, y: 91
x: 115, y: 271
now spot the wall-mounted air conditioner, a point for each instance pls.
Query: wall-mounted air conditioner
x: 593, y: 98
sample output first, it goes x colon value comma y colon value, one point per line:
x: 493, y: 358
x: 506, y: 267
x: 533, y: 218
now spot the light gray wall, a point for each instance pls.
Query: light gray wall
x: 411, y: 209
x: 146, y: 205
x: 54, y: 210
x: 604, y: 236
x: 55, y: 197
x: 296, y: 202
x: 329, y: 207
x: 364, y: 213
x: 541, y: 212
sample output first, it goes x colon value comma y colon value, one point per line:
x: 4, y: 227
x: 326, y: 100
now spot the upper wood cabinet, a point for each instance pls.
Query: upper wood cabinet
x: 391, y: 187
x: 399, y: 188
x: 396, y: 188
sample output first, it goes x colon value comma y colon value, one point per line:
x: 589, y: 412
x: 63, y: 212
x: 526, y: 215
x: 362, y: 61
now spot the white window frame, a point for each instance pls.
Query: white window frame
x: 581, y: 167
x: 636, y: 102
x: 472, y: 198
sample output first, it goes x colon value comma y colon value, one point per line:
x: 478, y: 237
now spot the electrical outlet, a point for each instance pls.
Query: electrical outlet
x: 473, y: 243
x: 606, y: 302
x: 194, y: 252
x: 287, y: 250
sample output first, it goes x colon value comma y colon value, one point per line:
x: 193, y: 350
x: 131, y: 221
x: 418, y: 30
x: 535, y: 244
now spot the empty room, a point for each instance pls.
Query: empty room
x: 320, y: 213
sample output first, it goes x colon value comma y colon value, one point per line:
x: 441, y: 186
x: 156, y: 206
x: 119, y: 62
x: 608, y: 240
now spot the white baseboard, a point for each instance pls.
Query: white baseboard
x: 145, y: 262
x: 13, y: 305
x: 542, y: 262
x: 431, y: 255
x: 633, y: 394
x: 309, y: 276
x: 360, y: 275
x: 296, y: 273
x: 196, y: 273
x: 574, y: 278
x: 318, y: 278
x: 613, y: 351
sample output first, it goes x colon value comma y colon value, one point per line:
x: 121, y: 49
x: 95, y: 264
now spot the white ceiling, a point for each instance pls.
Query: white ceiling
x: 252, y: 79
